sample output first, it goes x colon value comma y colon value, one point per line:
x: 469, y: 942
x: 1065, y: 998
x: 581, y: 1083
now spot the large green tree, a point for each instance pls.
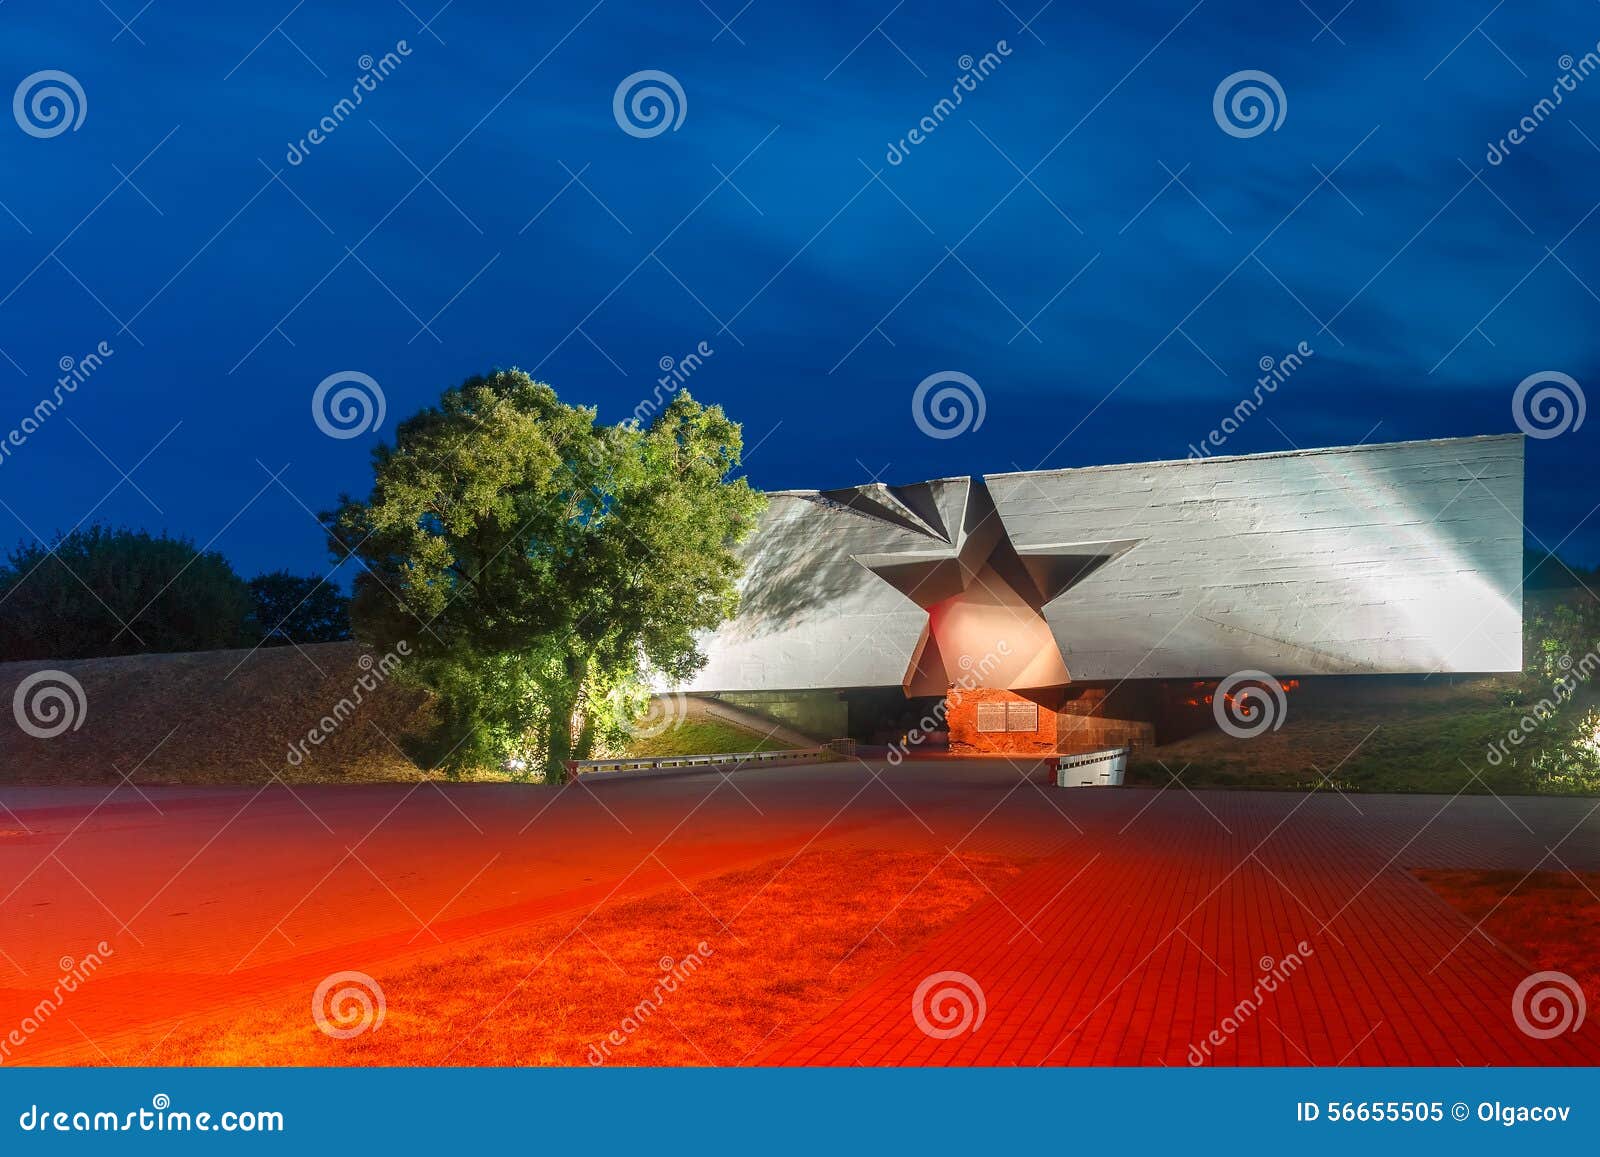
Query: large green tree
x: 542, y: 567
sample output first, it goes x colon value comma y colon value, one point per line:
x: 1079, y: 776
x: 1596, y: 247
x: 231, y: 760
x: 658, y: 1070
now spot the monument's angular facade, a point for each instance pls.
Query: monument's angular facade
x: 1405, y: 557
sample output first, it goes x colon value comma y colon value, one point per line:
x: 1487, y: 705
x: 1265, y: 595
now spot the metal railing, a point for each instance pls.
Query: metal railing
x: 720, y: 759
x: 1103, y: 768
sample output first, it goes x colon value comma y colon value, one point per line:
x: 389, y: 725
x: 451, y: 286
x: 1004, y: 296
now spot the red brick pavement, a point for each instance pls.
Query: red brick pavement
x: 1142, y: 936
x: 1140, y: 924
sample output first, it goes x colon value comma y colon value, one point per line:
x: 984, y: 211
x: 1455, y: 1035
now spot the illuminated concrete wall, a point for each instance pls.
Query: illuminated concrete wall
x: 1403, y: 557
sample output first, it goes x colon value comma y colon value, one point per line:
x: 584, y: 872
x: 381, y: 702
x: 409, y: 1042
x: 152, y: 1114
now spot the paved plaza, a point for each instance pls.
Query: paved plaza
x: 1141, y: 921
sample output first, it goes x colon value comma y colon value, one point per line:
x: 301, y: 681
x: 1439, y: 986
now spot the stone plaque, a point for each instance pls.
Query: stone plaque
x: 1021, y: 717
x: 991, y: 717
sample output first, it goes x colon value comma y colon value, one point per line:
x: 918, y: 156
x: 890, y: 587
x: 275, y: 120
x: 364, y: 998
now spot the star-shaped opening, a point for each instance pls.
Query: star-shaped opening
x: 985, y: 599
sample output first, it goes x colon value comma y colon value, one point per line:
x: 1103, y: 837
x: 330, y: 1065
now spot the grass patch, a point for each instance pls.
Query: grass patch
x: 797, y: 939
x: 238, y: 714
x: 1404, y: 755
x: 703, y: 736
x: 1398, y: 735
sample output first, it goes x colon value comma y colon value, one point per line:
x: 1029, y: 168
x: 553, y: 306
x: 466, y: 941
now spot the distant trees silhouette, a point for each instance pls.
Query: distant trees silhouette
x: 101, y: 591
x: 290, y: 608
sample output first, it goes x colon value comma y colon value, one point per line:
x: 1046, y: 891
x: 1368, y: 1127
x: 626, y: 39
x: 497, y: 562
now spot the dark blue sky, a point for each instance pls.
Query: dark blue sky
x: 1154, y: 258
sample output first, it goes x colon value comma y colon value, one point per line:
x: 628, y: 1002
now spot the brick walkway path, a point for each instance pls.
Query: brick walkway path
x: 1141, y: 922
x: 1144, y: 933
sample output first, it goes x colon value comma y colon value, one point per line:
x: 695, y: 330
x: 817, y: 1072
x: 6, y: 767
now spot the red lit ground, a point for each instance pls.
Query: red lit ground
x: 1551, y: 918
x: 1130, y: 924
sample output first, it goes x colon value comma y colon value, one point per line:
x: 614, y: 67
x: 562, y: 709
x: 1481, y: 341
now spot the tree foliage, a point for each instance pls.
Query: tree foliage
x: 542, y: 566
x: 1558, y: 693
x: 103, y: 591
x: 297, y: 609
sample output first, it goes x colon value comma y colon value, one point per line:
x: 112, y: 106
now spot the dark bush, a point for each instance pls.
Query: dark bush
x: 295, y: 609
x: 102, y: 591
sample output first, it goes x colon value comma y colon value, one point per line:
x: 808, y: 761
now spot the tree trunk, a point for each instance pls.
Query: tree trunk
x: 555, y: 769
x: 584, y: 749
x: 561, y: 717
